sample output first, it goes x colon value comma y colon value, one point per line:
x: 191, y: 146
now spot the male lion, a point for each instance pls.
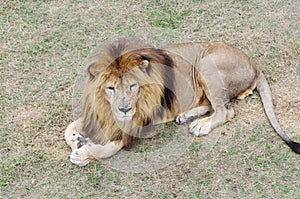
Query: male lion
x: 131, y: 86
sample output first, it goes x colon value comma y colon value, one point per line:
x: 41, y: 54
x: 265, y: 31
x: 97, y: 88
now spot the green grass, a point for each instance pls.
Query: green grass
x: 42, y: 47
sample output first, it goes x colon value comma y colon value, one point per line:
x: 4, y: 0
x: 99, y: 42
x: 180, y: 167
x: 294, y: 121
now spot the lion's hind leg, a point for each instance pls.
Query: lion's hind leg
x: 245, y: 94
x: 192, y: 114
x: 248, y: 91
x: 214, y: 83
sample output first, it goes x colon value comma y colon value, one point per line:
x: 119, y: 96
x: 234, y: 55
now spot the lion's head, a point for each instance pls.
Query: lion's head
x: 126, y: 89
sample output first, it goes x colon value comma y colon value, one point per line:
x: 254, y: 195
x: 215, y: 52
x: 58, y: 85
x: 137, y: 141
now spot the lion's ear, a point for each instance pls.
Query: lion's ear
x: 144, y: 65
x: 92, y: 70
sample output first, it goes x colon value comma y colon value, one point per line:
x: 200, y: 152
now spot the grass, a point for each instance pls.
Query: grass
x: 43, y: 45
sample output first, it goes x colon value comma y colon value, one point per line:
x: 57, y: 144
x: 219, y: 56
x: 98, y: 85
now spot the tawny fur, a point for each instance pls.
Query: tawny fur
x: 127, y: 79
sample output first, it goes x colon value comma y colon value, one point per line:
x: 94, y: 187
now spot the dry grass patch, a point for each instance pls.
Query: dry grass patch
x: 42, y: 47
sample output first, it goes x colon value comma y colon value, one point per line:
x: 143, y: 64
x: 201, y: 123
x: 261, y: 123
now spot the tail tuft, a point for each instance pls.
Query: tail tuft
x: 294, y: 146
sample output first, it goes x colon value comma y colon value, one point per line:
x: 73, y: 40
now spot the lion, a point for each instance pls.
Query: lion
x: 131, y: 86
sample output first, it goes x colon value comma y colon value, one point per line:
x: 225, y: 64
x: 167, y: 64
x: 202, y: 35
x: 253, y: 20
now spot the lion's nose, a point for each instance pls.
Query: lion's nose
x: 125, y: 109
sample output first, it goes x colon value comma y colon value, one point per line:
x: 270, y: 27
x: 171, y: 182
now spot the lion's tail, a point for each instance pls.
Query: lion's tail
x: 266, y: 97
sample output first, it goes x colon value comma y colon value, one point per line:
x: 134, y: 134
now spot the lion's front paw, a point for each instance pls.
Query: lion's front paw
x: 72, y: 135
x: 80, y: 156
x: 82, y: 141
x: 184, y: 117
x: 76, y: 140
x: 181, y: 118
x: 200, y: 127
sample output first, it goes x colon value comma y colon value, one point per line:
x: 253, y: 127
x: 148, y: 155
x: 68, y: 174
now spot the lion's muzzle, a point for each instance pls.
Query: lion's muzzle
x: 125, y: 110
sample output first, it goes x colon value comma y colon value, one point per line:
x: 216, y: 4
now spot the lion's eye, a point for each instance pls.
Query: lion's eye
x: 133, y: 87
x: 111, y: 88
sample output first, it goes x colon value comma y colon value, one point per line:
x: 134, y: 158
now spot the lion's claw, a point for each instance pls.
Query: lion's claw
x: 179, y: 120
x: 82, y: 141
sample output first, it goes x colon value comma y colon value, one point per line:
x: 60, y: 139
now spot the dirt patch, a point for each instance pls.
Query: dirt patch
x: 23, y: 116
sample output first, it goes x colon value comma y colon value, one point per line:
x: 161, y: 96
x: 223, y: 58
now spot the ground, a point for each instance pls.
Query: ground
x: 43, y: 44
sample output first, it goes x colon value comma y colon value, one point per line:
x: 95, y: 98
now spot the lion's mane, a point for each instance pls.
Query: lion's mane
x: 117, y: 58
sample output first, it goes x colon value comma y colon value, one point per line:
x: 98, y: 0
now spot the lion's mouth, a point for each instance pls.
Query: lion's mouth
x: 124, y: 118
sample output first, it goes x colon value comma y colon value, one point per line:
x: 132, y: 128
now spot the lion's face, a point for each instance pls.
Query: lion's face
x: 131, y: 84
x: 125, y: 90
x: 122, y: 93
